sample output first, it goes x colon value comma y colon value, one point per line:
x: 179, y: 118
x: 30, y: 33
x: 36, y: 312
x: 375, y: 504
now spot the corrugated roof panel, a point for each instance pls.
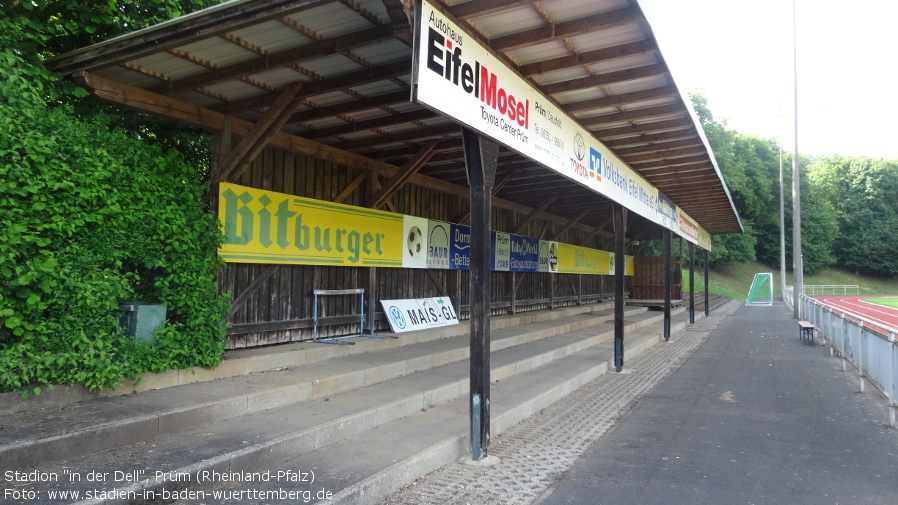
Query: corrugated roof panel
x: 331, y: 66
x: 279, y: 77
x: 387, y: 51
x: 508, y: 21
x: 169, y: 65
x: 540, y: 52
x: 578, y: 95
x: 377, y: 88
x: 566, y: 74
x: 359, y: 135
x: 595, y: 112
x: 129, y: 77
x: 331, y: 20
x: 400, y: 128
x: 218, y: 51
x: 610, y: 37
x: 272, y: 36
x: 234, y: 90
x: 200, y: 99
x: 655, y: 81
x: 625, y: 63
x: 437, y: 121
x: 405, y: 106
x: 567, y: 10
x: 332, y: 98
x: 325, y: 122
x: 367, y: 114
x: 375, y: 7
x: 652, y: 102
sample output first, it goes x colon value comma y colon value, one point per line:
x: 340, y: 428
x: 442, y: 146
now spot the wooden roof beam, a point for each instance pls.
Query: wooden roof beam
x: 567, y: 226
x: 368, y: 124
x: 281, y: 59
x: 401, y: 177
x: 595, y: 231
x: 421, y: 133
x: 366, y: 76
x: 236, y: 162
x: 535, y: 212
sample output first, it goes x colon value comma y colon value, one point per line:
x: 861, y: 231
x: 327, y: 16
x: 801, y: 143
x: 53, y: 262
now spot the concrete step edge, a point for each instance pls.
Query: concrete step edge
x: 125, y: 432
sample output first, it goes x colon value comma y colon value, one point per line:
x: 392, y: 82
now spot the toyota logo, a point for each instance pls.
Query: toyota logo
x: 579, y: 147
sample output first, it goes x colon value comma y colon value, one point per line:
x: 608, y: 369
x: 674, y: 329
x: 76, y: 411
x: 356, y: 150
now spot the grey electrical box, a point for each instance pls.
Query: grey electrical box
x: 140, y: 319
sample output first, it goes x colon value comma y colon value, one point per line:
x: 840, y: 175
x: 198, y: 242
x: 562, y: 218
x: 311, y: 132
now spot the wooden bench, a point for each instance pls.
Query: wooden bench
x: 806, y: 330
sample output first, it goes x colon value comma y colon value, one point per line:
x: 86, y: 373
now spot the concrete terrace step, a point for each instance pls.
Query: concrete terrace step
x: 245, y: 361
x: 365, y: 468
x: 262, y: 439
x: 27, y: 440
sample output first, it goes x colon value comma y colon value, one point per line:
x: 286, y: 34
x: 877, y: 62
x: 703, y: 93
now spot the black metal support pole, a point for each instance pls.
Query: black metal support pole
x: 667, y: 269
x: 620, y: 220
x: 480, y: 159
x: 691, y: 283
x: 707, y: 298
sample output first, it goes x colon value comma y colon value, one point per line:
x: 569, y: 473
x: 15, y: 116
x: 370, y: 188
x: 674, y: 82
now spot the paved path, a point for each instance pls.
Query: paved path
x: 534, y: 453
x: 752, y: 417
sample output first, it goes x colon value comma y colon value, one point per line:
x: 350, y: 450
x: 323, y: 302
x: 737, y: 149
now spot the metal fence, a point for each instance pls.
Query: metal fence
x: 869, y: 346
x: 832, y: 289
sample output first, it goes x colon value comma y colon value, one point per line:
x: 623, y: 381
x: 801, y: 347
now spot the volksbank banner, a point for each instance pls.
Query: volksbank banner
x: 268, y: 227
x: 456, y: 76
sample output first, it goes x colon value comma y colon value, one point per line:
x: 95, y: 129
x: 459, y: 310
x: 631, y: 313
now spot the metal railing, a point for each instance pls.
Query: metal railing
x: 832, y: 289
x: 868, y: 345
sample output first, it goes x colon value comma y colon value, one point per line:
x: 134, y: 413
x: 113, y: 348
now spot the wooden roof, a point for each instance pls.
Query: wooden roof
x: 342, y: 68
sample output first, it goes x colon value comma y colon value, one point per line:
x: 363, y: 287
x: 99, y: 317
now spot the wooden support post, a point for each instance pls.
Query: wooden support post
x: 620, y: 266
x: 552, y: 291
x: 372, y: 297
x: 513, y: 292
x: 481, y: 155
x: 667, y: 281
x: 691, y: 283
x: 707, y: 308
x: 580, y: 289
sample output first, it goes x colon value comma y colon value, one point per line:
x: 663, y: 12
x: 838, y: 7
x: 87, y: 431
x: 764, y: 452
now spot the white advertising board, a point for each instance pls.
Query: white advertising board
x: 461, y: 79
x: 419, y: 313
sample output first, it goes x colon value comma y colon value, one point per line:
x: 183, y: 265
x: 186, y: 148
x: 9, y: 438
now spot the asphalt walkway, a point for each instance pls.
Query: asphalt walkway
x: 736, y: 409
x: 754, y: 417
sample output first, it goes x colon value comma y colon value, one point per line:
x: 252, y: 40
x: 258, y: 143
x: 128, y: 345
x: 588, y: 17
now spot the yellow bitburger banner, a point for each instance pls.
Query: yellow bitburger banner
x: 267, y: 227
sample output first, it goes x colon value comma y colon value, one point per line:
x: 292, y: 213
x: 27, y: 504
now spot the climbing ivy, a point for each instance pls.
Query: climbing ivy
x: 90, y: 216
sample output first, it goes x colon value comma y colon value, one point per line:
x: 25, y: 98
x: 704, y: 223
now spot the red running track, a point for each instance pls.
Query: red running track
x: 884, y: 316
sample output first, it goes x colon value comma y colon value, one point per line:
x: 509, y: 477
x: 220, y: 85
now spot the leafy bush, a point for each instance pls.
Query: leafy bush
x: 91, y: 216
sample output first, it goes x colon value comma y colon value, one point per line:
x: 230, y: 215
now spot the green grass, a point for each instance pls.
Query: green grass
x: 888, y: 302
x: 734, y: 280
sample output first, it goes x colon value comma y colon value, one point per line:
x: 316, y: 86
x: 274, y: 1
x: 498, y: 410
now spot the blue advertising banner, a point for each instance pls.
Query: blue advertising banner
x: 524, y: 254
x: 460, y: 247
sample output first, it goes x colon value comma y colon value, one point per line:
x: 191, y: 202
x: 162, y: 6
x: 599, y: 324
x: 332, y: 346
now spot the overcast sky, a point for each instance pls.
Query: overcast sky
x: 739, y: 54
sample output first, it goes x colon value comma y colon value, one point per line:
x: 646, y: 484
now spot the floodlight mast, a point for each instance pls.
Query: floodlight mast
x: 798, y: 267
